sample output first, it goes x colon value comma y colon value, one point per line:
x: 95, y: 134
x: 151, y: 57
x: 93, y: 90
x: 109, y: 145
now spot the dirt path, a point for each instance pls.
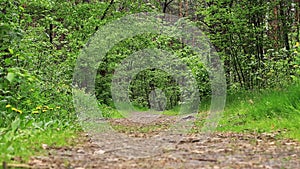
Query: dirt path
x: 135, y: 149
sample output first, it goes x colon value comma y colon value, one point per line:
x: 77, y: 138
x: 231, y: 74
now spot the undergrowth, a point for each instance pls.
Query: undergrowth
x: 264, y: 111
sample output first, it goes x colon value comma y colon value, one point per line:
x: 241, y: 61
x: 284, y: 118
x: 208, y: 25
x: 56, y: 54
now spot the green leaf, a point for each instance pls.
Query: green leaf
x: 11, y: 51
x: 10, y: 76
x: 7, y: 61
x: 15, y: 124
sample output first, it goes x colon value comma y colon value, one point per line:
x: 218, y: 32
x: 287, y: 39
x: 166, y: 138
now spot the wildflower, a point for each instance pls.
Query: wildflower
x: 297, y: 44
x: 17, y: 110
x: 35, y: 112
x: 58, y: 107
x: 44, y: 110
x: 8, y: 106
x: 38, y: 107
x: 20, y: 111
x: 46, y: 107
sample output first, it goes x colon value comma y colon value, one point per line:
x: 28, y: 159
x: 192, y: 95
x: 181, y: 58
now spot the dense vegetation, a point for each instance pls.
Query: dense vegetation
x: 258, y: 41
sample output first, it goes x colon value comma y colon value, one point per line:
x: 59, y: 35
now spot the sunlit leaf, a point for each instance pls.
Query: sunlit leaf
x: 10, y: 76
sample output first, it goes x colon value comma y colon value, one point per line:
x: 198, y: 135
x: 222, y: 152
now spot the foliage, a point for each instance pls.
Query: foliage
x: 270, y: 110
x: 39, y: 44
x: 148, y: 80
x: 258, y: 42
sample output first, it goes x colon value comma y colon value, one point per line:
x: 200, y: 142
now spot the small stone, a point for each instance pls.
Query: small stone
x: 190, y: 117
x: 44, y: 146
x: 98, y: 152
x: 80, y: 151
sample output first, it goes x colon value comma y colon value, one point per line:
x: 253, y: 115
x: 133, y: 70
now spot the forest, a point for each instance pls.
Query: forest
x: 249, y: 57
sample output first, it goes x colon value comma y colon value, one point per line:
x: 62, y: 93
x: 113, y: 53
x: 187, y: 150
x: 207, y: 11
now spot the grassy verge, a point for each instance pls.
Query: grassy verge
x: 35, y: 143
x: 27, y: 135
x: 266, y: 111
x: 255, y: 111
x: 21, y: 148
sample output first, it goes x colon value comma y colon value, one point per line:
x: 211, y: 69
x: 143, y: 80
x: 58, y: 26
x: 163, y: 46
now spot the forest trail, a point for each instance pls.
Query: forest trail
x: 135, y: 149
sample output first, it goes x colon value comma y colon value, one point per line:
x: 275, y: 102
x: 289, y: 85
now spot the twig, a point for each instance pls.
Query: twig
x: 7, y: 165
x: 206, y: 159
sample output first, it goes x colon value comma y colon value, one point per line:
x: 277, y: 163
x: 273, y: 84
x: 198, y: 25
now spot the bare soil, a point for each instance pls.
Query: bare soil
x: 135, y: 148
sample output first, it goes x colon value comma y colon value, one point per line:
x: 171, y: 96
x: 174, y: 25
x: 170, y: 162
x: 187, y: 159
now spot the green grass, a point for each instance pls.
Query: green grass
x: 31, y: 143
x: 265, y: 111
x: 26, y: 133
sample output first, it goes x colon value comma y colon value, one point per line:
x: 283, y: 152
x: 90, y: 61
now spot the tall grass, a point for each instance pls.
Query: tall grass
x: 264, y: 111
